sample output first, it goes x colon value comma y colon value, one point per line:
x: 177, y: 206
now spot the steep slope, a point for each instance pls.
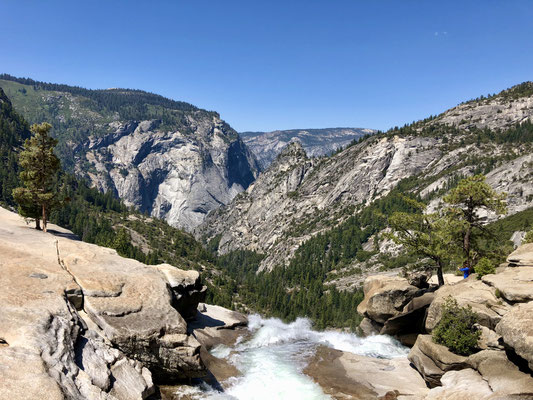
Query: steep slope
x: 316, y: 142
x: 167, y: 158
x: 297, y: 198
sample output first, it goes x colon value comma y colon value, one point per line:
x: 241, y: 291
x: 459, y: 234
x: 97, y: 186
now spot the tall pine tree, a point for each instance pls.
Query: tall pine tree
x: 39, y: 167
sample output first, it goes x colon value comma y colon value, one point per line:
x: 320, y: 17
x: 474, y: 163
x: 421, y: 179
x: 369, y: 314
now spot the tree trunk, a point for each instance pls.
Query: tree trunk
x: 466, y: 246
x: 439, y: 274
x: 44, y: 218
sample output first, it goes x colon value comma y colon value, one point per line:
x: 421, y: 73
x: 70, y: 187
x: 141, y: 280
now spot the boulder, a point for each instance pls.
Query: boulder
x: 79, y: 321
x: 412, y: 318
x: 449, y: 279
x: 516, y: 330
x: 522, y: 256
x: 488, y: 339
x: 468, y: 292
x: 460, y: 385
x: 367, y: 327
x: 132, y: 304
x: 502, y: 375
x: 385, y: 297
x: 432, y: 360
x: 515, y: 284
x: 345, y: 375
x: 187, y: 289
x: 216, y: 325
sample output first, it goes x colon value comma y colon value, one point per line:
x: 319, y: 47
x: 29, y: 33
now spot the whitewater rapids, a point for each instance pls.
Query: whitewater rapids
x: 271, y: 361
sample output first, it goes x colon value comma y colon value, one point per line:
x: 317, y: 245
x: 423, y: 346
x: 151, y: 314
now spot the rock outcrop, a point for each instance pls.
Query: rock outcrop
x: 386, y: 297
x: 469, y: 292
x: 516, y: 330
x: 79, y: 321
x: 177, y: 175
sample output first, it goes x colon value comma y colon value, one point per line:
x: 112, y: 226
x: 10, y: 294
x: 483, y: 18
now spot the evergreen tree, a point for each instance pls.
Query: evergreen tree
x: 39, y: 165
x: 471, y: 196
x: 426, y: 235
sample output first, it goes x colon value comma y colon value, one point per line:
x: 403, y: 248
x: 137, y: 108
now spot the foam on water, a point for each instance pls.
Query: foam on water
x: 272, y: 360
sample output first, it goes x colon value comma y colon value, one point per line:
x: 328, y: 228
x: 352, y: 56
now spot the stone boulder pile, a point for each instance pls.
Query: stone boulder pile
x: 503, y: 366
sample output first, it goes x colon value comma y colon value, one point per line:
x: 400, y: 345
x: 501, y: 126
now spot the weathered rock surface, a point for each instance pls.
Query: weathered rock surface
x: 176, y: 175
x: 515, y: 284
x: 432, y: 360
x: 502, y: 375
x: 385, y: 297
x: 516, y: 329
x: 460, y: 385
x: 522, y: 256
x: 412, y: 318
x: 187, y: 289
x: 316, y: 142
x: 468, y: 292
x: 101, y: 352
x: 345, y: 375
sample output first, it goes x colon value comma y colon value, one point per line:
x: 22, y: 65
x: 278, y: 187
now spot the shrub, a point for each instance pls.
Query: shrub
x: 529, y: 237
x: 456, y: 329
x: 484, y: 267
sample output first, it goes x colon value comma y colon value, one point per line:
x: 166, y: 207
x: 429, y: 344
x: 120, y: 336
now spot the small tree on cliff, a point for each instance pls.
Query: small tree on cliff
x: 471, y: 196
x: 39, y: 166
x: 426, y: 235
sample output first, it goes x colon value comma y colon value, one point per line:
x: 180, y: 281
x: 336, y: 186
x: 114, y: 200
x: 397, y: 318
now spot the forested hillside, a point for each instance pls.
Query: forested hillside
x: 167, y: 158
x: 320, y: 223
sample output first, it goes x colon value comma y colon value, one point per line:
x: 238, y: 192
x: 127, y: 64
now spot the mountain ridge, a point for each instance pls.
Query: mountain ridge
x: 316, y: 142
x: 167, y: 158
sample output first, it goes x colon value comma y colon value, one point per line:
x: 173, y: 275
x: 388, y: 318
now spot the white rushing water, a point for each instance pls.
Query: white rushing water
x: 272, y: 360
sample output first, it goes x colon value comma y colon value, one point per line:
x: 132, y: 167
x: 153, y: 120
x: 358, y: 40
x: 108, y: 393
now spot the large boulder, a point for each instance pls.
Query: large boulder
x: 522, y: 256
x: 385, y: 297
x: 516, y: 329
x: 502, y: 375
x: 460, y: 385
x: 345, y: 375
x: 78, y: 321
x: 412, y: 318
x: 187, y: 289
x: 468, y: 292
x: 432, y: 360
x: 132, y: 305
x: 515, y: 284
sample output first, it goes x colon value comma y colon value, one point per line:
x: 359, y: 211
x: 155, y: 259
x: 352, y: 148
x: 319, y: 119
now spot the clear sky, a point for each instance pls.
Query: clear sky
x: 266, y: 65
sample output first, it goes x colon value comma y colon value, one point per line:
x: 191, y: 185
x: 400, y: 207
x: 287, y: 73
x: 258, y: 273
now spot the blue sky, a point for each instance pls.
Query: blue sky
x: 266, y: 65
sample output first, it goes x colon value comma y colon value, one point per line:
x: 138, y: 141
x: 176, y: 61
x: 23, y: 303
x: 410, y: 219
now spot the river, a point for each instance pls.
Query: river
x: 271, y: 360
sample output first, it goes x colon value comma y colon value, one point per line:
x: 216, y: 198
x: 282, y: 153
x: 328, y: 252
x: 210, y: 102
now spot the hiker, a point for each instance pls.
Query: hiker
x: 465, y: 270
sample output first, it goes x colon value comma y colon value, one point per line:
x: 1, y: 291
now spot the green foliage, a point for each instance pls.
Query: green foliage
x: 13, y: 131
x: 484, y: 267
x: 425, y: 235
x: 456, y: 328
x: 39, y: 167
x: 472, y: 195
x: 528, y: 238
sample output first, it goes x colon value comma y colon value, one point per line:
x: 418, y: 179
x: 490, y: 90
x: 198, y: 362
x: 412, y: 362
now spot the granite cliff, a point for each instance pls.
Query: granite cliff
x: 297, y: 198
x: 166, y: 158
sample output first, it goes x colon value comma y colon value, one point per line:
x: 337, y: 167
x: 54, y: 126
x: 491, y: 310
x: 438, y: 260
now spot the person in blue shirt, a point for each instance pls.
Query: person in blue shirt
x: 465, y: 270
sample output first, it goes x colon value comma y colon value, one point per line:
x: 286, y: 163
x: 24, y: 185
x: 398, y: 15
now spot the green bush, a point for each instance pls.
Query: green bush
x: 456, y: 329
x: 484, y: 267
x: 528, y: 238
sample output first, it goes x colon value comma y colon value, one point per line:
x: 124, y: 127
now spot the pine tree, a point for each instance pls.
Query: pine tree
x: 471, y: 196
x: 39, y: 166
